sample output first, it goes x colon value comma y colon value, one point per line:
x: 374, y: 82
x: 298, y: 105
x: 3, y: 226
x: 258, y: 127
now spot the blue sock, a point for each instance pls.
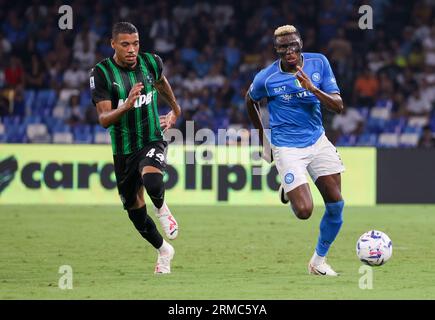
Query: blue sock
x: 329, y: 226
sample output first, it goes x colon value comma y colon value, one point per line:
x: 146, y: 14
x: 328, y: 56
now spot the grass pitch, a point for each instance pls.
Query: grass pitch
x: 222, y: 252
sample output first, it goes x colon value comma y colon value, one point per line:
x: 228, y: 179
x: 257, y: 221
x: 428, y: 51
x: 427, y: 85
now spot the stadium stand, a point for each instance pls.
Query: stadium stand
x: 211, y: 51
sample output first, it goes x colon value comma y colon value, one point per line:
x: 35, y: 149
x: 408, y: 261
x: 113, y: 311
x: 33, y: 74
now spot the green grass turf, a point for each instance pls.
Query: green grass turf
x: 222, y: 253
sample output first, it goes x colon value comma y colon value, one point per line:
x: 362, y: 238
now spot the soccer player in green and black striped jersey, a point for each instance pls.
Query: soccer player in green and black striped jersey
x: 124, y: 89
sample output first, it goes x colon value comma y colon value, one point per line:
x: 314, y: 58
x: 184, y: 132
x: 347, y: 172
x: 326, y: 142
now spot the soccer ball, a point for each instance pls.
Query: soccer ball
x: 374, y: 248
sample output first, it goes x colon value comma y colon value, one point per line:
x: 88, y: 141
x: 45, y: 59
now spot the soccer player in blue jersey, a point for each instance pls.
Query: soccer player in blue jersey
x: 295, y: 86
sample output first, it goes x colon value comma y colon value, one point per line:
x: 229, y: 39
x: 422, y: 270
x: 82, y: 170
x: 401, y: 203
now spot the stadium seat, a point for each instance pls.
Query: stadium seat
x: 375, y: 125
x: 432, y: 124
x: 409, y: 129
x: 63, y: 137
x: 377, y: 119
x: 82, y: 134
x: 44, y: 102
x: 29, y: 97
x: 102, y: 137
x: 394, y: 125
x: 388, y: 140
x: 43, y: 112
x: 38, y: 133
x: 364, y: 112
x: 52, y: 123
x: 418, y: 121
x: 32, y: 119
x: 85, y: 97
x: 16, y: 133
x: 346, y: 140
x: 367, y: 139
x: 45, y: 99
x: 61, y: 128
x: 65, y: 96
x: 82, y: 128
x: 82, y: 138
x: 60, y: 112
x: 380, y: 113
x: 3, y: 137
x: 98, y: 128
x: 11, y: 121
x: 409, y: 139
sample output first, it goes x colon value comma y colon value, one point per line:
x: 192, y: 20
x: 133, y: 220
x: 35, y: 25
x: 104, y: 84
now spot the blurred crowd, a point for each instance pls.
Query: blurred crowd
x: 211, y: 51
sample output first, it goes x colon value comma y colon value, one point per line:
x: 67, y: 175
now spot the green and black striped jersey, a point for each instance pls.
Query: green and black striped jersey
x: 140, y: 125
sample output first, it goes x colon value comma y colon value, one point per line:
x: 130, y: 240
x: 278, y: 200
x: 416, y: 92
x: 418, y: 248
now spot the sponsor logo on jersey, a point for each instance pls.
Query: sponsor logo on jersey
x: 144, y: 99
x: 92, y: 82
x: 302, y: 94
x: 279, y: 89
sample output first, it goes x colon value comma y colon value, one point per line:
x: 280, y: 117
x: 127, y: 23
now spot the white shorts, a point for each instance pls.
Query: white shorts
x: 319, y: 159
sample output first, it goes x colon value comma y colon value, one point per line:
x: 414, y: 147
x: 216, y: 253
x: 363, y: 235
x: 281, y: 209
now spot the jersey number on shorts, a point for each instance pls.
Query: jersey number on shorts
x: 160, y: 157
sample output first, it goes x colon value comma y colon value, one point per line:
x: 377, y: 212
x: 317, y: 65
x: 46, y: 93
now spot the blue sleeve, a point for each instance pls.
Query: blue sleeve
x: 257, y: 90
x: 329, y: 83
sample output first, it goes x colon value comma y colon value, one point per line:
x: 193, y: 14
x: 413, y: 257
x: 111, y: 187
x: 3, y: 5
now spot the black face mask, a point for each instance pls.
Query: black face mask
x: 292, y: 47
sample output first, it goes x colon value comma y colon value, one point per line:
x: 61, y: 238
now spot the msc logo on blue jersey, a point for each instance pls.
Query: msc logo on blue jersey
x: 302, y: 94
x: 289, y: 178
x: 315, y: 76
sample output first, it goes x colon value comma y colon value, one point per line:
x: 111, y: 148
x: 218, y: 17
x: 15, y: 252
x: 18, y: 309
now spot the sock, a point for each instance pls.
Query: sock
x: 316, y: 259
x: 164, y: 247
x: 329, y: 226
x: 146, y: 226
x: 153, y: 183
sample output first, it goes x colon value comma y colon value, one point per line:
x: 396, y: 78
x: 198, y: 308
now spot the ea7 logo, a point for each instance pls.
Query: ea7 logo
x: 142, y: 100
x: 279, y: 89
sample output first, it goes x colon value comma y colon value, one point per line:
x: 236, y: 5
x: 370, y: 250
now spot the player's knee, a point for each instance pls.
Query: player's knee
x: 303, y: 211
x: 153, y: 183
x: 139, y: 203
x: 130, y: 203
x: 334, y: 197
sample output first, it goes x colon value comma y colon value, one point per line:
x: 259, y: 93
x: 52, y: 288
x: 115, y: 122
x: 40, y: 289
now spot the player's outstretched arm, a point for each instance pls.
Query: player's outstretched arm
x: 332, y: 101
x: 164, y: 88
x: 108, y: 116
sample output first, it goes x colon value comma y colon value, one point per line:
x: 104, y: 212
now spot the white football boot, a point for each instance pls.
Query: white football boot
x: 167, y: 221
x: 322, y: 269
x: 282, y: 195
x: 165, y: 255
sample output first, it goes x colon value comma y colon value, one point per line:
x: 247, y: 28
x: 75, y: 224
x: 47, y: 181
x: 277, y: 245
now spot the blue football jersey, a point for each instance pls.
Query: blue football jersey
x: 295, y: 113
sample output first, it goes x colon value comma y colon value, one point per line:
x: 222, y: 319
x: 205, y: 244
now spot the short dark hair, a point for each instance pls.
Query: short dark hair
x: 123, y: 27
